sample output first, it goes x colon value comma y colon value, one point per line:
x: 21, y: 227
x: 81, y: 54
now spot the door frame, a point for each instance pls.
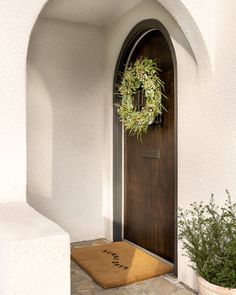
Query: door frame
x: 131, y: 40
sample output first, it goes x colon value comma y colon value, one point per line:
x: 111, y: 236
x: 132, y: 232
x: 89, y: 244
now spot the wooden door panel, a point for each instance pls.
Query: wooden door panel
x: 149, y: 183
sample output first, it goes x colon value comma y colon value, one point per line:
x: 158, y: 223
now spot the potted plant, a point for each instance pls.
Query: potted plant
x: 208, y: 234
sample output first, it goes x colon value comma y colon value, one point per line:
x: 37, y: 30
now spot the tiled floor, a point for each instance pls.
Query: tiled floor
x: 82, y: 284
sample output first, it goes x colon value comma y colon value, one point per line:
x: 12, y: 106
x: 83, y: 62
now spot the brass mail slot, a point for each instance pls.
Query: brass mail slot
x: 152, y: 154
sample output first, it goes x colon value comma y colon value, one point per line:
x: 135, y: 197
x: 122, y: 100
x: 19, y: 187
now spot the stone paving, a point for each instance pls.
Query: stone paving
x: 82, y: 284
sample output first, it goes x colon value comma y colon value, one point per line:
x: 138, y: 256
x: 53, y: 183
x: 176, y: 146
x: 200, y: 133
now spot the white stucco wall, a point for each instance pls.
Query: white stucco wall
x: 223, y: 100
x: 65, y: 126
x: 206, y: 104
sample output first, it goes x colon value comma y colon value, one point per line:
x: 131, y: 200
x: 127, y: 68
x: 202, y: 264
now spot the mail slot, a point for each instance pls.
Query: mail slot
x: 151, y: 154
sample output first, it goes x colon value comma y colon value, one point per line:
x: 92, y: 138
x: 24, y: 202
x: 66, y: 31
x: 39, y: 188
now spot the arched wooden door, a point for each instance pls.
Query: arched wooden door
x: 150, y: 167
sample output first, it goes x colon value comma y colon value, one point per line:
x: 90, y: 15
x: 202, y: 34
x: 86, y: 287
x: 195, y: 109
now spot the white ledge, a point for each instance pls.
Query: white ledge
x: 19, y: 221
x: 34, y: 253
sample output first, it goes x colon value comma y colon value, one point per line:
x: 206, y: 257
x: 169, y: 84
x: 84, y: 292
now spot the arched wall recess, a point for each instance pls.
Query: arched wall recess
x: 68, y: 59
x: 185, y: 19
x: 21, y: 18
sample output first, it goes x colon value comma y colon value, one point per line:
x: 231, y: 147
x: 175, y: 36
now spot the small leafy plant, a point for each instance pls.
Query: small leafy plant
x: 208, y: 234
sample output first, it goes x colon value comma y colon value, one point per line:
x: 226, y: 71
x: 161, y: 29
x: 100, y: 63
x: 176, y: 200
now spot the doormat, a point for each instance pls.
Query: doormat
x: 118, y: 264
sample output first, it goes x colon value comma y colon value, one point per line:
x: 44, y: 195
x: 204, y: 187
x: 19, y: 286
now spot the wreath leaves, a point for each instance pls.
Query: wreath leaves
x: 142, y: 76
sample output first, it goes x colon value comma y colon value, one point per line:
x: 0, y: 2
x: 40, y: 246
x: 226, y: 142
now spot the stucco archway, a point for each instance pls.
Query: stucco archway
x: 17, y: 30
x: 185, y: 16
x: 200, y: 65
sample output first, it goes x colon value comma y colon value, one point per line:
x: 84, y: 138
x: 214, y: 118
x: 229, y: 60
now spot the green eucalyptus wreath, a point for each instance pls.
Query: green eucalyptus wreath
x: 142, y: 76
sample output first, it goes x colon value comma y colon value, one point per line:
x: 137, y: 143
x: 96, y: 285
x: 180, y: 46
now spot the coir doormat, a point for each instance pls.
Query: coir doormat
x: 117, y: 264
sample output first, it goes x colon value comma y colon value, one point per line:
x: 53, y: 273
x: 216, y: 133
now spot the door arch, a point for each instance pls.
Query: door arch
x: 132, y: 41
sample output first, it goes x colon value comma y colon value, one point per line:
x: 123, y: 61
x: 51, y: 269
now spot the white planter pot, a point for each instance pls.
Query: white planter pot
x: 206, y: 288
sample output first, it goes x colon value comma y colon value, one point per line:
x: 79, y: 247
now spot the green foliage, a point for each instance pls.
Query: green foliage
x: 208, y: 234
x: 143, y: 75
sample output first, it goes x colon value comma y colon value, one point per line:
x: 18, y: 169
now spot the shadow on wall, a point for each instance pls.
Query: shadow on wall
x: 40, y: 131
x: 65, y: 126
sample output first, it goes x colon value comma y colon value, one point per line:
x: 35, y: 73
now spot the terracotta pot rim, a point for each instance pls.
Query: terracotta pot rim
x: 213, y: 285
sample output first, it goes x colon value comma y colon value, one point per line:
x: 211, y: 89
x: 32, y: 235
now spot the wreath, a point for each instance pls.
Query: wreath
x: 140, y: 77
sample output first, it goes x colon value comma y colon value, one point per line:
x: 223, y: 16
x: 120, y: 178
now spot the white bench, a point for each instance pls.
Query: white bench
x: 34, y: 253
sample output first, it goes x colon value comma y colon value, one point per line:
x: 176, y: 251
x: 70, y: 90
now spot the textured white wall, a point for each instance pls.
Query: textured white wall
x: 16, y: 22
x: 65, y: 123
x: 34, y: 261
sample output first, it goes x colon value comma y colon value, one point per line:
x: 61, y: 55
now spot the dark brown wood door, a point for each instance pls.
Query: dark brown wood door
x: 149, y: 219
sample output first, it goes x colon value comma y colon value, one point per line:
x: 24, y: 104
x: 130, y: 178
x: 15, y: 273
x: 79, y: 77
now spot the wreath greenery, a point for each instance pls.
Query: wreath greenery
x: 142, y: 76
